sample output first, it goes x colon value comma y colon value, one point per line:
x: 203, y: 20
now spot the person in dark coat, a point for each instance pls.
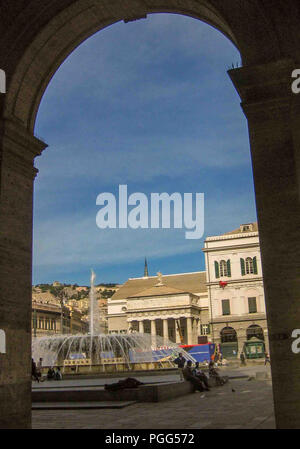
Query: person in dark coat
x: 180, y: 362
x: 51, y: 373
x: 34, y: 372
x: 243, y: 359
x: 188, y: 375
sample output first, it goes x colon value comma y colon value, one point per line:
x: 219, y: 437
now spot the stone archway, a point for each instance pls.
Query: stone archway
x: 38, y: 36
x: 229, y: 342
x: 255, y: 331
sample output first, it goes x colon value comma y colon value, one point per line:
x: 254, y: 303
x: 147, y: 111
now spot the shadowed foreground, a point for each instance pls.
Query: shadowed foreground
x: 250, y: 406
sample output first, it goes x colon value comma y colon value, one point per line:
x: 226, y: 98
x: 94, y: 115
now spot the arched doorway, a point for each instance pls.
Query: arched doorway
x: 35, y: 43
x: 255, y: 331
x: 229, y: 342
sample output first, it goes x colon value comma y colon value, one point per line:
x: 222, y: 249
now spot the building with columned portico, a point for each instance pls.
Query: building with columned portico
x: 173, y: 306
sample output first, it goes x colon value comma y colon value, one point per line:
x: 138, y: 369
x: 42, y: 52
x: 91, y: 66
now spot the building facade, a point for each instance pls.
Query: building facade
x: 50, y: 317
x: 235, y: 289
x: 172, y: 306
x: 224, y: 304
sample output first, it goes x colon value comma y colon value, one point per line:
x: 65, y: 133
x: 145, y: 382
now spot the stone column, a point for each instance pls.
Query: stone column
x: 177, y: 335
x: 165, y: 329
x: 196, y: 330
x: 189, y: 329
x: 141, y: 327
x: 273, y: 114
x: 153, y: 333
x: 17, y: 173
x: 153, y: 328
x: 241, y: 336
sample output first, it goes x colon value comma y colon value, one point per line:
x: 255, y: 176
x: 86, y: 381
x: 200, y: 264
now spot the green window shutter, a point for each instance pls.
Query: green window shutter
x: 254, y: 265
x: 228, y: 268
x: 252, y: 305
x: 217, y: 270
x: 243, y: 267
x: 225, y: 306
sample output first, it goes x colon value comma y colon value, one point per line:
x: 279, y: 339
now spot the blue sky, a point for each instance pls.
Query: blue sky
x: 148, y: 104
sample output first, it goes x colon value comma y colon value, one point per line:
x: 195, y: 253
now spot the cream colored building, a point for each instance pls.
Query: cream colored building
x: 235, y: 288
x: 156, y: 304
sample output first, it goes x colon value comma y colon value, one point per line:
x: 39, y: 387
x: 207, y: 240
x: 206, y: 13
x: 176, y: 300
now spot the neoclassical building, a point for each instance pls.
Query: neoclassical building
x: 223, y: 304
x: 173, y: 306
x: 235, y: 289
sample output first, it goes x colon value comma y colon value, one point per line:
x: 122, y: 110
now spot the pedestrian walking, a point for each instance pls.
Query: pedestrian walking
x: 243, y: 359
x: 267, y: 358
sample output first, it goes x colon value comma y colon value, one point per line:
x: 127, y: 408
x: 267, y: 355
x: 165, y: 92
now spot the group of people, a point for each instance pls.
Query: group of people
x: 196, y: 375
x: 54, y: 374
x: 36, y: 372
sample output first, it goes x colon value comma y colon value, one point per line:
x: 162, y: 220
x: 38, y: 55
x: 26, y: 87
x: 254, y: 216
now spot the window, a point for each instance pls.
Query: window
x: 225, y: 307
x: 223, y: 268
x: 205, y: 329
x: 252, y: 305
x: 249, y: 265
x: 228, y: 335
x: 246, y: 227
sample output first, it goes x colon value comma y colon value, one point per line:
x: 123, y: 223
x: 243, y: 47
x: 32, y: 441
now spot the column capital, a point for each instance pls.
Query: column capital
x: 265, y: 89
x: 20, y: 147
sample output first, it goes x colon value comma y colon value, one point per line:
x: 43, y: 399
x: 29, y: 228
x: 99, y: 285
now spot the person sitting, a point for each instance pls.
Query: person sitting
x: 51, y: 374
x: 201, y: 375
x: 214, y: 373
x: 195, y: 381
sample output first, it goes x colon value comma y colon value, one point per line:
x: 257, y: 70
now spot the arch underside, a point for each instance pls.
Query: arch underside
x: 74, y: 24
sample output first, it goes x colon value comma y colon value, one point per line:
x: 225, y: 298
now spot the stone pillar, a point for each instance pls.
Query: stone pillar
x: 165, y: 329
x: 177, y: 335
x: 153, y: 328
x: 141, y: 327
x: 196, y: 330
x: 241, y: 336
x: 189, y: 330
x: 17, y: 173
x: 273, y: 114
x: 153, y: 333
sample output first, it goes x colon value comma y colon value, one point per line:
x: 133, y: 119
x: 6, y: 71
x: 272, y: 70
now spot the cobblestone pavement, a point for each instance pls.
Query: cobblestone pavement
x: 249, y: 406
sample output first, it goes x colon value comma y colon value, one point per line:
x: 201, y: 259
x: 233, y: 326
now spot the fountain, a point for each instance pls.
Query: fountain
x: 100, y: 352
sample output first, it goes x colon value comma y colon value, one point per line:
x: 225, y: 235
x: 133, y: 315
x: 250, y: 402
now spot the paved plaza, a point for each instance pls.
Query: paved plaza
x: 240, y: 404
